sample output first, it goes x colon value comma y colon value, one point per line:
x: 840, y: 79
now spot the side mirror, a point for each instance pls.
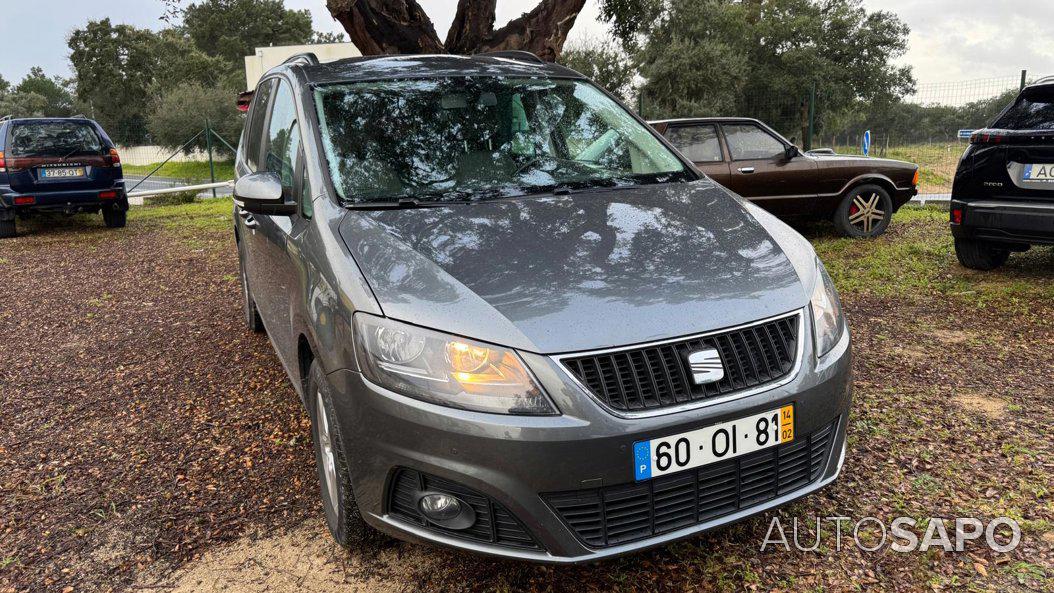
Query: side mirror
x: 262, y: 193
x: 790, y: 152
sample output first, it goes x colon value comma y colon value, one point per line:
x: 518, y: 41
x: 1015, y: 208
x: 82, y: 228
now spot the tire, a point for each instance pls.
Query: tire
x: 7, y: 229
x: 342, y: 513
x: 980, y: 255
x: 864, y: 213
x: 249, y: 310
x: 115, y: 218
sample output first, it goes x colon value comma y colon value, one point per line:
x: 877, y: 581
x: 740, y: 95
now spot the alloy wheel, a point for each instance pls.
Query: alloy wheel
x: 329, y: 461
x: 865, y: 213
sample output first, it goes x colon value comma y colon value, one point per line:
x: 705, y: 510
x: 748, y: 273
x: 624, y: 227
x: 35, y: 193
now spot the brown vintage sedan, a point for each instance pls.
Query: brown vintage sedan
x: 859, y: 194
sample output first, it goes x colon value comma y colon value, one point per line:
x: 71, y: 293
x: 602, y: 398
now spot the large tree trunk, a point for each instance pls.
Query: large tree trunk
x: 473, y: 23
x: 541, y: 31
x: 387, y: 26
x: 402, y: 27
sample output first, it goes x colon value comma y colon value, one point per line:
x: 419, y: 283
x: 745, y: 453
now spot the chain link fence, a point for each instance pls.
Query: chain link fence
x: 204, y: 157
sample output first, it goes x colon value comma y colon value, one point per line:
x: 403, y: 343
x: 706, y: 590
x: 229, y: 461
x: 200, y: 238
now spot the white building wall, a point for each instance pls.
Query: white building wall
x: 266, y: 58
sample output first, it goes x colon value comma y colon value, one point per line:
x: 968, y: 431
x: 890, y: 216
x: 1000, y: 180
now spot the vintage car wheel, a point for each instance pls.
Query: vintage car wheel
x: 865, y: 212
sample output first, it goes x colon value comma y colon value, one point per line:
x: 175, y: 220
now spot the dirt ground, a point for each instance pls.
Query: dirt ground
x: 149, y: 443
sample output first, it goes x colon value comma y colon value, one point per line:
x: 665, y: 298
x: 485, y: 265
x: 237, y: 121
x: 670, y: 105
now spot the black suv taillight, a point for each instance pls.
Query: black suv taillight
x: 989, y: 137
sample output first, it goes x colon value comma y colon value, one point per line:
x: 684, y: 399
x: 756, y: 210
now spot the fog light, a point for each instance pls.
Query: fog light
x: 440, y: 507
x: 446, y: 510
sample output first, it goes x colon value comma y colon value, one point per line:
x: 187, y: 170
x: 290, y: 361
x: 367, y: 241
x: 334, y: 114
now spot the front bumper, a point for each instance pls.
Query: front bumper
x: 69, y: 201
x: 516, y: 460
x: 1005, y: 221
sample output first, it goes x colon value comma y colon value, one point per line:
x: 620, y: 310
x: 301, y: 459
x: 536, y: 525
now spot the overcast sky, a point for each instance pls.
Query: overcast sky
x: 951, y: 40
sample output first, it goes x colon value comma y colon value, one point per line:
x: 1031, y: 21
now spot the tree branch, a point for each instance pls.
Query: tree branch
x: 542, y: 31
x: 473, y: 23
x: 387, y: 26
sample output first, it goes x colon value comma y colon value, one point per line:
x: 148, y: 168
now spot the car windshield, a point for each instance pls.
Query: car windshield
x: 473, y: 138
x: 1033, y: 111
x: 54, y: 139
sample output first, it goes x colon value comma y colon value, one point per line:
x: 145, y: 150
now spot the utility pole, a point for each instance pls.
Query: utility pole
x: 1024, y: 79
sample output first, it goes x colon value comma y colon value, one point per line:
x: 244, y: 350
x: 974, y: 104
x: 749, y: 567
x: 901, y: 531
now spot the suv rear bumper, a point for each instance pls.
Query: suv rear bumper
x: 1014, y: 222
x: 62, y: 201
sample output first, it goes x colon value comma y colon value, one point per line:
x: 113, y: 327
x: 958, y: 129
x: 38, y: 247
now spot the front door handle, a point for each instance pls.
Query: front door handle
x: 245, y: 214
x: 746, y: 170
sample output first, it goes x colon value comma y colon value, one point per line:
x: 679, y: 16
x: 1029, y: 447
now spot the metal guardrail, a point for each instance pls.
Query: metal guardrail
x: 179, y: 190
x: 923, y: 199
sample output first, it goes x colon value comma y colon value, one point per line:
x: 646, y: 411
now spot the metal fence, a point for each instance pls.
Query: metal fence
x: 200, y: 167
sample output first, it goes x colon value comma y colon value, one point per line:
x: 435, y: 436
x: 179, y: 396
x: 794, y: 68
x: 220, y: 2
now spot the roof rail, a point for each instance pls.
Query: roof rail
x: 307, y: 58
x: 79, y: 116
x: 1044, y: 80
x: 514, y: 54
x: 7, y: 117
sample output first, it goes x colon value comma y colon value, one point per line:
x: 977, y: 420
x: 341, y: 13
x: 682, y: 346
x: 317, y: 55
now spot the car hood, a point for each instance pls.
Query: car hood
x: 592, y: 270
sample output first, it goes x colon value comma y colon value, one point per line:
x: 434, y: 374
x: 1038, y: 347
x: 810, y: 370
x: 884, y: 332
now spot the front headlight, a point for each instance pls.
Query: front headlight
x: 446, y: 370
x: 828, y: 323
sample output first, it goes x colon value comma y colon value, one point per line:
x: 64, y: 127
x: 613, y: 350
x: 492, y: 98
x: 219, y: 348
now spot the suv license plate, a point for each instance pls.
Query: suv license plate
x: 1039, y: 172
x: 715, y: 443
x: 62, y: 172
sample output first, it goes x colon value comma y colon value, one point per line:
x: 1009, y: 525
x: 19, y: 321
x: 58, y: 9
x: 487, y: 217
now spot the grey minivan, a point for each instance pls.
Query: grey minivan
x: 521, y: 323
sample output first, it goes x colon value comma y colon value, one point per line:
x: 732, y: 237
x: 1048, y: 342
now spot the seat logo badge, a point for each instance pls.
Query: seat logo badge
x: 706, y: 366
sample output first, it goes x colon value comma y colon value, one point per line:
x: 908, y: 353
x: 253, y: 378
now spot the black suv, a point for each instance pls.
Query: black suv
x: 1003, y: 196
x: 64, y: 165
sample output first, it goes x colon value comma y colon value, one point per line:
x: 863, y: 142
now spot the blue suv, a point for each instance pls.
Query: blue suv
x: 64, y: 165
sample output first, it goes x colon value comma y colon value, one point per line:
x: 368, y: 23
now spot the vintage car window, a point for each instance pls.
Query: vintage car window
x: 470, y: 138
x: 749, y: 142
x: 699, y: 143
x: 1033, y: 111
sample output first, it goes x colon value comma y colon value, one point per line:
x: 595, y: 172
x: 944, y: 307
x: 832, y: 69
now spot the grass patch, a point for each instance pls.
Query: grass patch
x: 188, y: 170
x: 203, y: 215
x: 917, y: 258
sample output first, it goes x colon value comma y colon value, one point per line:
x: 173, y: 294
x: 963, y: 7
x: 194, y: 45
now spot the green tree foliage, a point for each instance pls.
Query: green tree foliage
x: 232, y: 29
x: 184, y: 109
x: 760, y: 57
x: 603, y: 62
x: 58, y: 97
x: 36, y: 96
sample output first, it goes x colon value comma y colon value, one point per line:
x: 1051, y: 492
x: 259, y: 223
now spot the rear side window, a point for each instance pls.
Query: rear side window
x: 54, y: 139
x: 1034, y: 110
x: 698, y: 143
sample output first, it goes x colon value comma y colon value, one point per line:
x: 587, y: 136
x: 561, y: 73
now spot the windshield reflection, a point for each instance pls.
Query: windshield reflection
x: 474, y: 138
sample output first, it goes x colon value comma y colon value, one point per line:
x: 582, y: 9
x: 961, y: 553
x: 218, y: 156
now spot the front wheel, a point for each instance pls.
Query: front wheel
x: 115, y: 218
x: 7, y: 229
x: 865, y: 212
x: 342, y: 513
x: 980, y: 255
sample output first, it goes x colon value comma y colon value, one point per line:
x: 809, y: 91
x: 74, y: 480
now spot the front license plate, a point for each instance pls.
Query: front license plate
x: 1039, y: 173
x: 723, y: 441
x: 62, y: 172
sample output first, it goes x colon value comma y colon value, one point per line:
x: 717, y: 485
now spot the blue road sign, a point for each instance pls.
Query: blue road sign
x: 867, y: 143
